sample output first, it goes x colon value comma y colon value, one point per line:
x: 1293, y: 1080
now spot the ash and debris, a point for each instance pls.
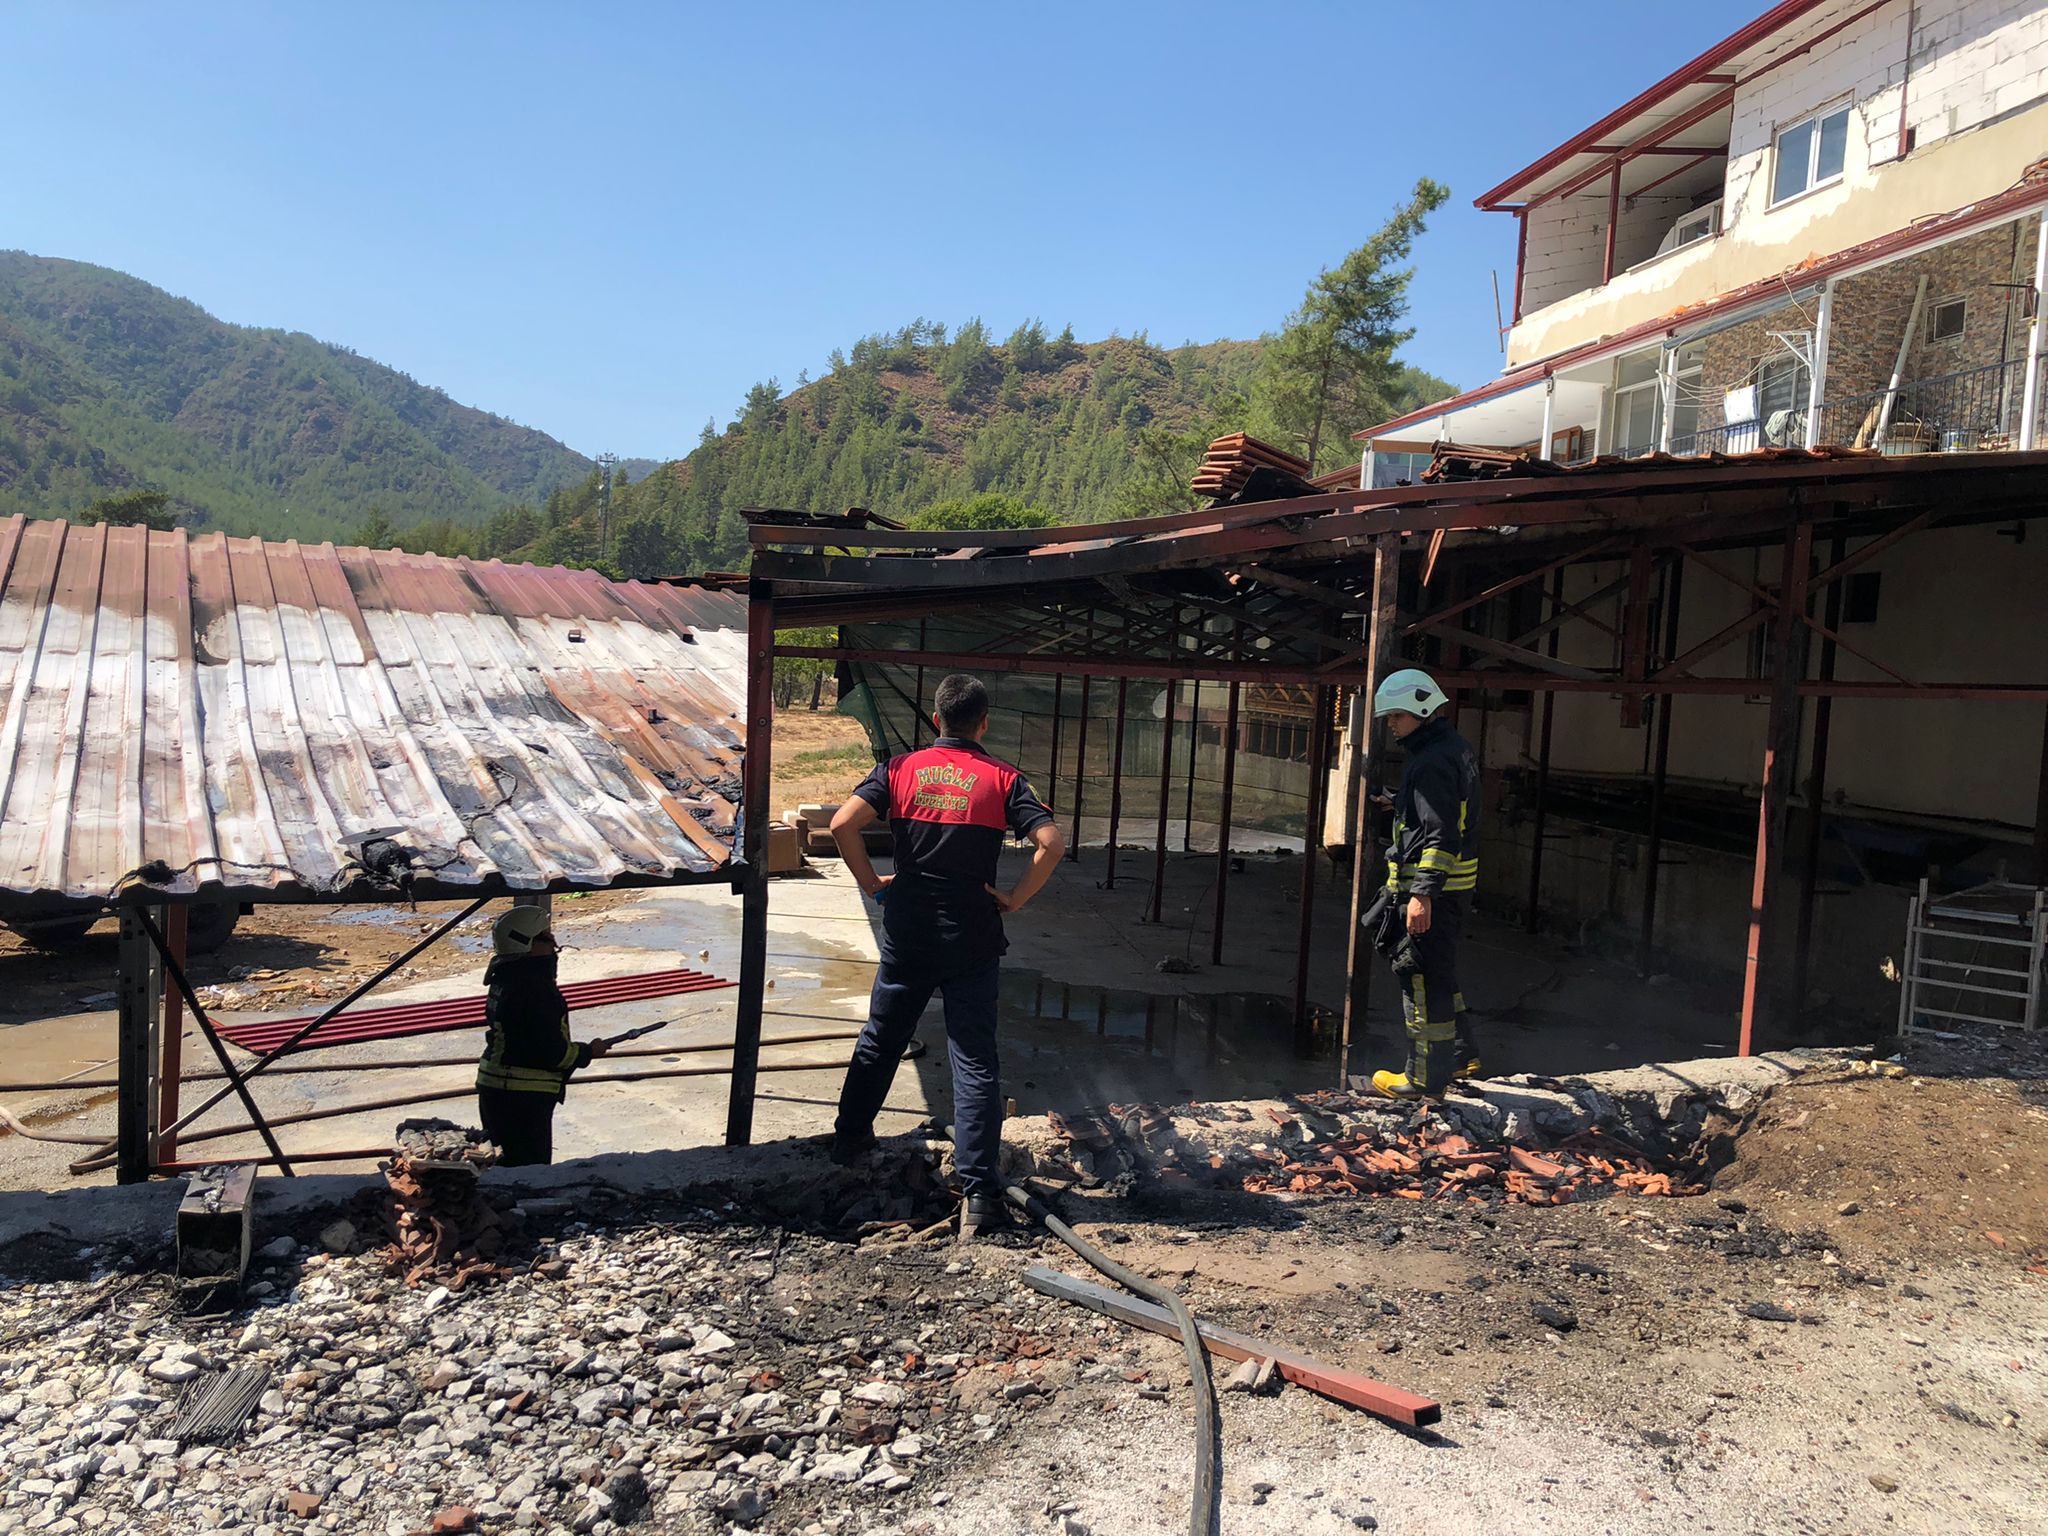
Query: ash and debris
x: 691, y: 1373
x: 801, y: 1355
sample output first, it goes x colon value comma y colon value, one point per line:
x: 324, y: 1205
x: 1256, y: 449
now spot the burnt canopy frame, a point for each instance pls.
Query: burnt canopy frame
x: 1262, y: 574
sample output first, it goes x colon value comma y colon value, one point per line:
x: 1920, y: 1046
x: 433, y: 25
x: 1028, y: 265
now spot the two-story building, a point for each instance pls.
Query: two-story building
x: 1826, y: 233
x: 1825, y: 230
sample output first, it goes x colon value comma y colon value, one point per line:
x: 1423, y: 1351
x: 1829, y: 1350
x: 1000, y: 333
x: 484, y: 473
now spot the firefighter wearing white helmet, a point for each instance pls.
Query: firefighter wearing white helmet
x: 529, y: 1053
x: 1432, y: 869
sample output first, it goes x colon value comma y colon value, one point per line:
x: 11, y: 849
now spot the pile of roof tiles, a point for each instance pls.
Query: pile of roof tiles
x: 441, y: 1228
x: 1232, y: 463
x: 1426, y: 1160
x: 1328, y: 1145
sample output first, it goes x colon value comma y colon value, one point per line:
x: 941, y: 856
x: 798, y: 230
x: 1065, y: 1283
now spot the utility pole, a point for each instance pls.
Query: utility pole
x: 606, y: 463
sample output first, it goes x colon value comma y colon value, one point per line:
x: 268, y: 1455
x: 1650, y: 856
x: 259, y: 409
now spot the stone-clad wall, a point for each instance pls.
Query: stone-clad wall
x: 1870, y: 320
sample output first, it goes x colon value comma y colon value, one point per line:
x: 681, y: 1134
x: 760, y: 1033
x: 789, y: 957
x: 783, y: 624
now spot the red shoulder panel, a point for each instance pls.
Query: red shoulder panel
x: 947, y: 784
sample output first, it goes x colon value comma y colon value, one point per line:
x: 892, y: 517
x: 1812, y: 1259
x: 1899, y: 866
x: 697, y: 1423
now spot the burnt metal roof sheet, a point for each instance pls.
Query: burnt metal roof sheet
x: 225, y: 715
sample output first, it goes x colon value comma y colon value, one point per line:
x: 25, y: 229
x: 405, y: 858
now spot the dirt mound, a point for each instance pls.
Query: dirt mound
x: 1895, y: 1166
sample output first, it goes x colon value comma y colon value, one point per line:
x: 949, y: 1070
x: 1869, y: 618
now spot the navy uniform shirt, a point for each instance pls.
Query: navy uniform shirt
x: 949, y: 806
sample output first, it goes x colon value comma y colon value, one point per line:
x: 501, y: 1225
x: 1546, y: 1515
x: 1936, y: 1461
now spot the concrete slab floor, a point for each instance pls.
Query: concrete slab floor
x: 1089, y: 1018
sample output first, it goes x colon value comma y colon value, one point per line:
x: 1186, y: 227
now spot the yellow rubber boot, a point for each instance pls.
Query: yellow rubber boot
x: 1395, y: 1085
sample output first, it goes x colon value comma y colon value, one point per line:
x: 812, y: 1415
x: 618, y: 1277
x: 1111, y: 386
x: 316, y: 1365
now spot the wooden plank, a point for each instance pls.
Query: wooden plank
x: 1330, y: 1381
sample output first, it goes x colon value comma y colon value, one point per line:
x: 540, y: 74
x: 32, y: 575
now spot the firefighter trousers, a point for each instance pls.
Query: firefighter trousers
x: 1432, y: 1004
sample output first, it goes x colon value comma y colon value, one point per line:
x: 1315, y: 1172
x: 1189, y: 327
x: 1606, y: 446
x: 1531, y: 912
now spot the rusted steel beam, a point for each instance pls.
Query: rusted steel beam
x: 1746, y: 687
x: 1816, y: 791
x: 1317, y: 592
x: 1367, y: 873
x: 1635, y: 645
x: 752, y: 873
x: 1223, y: 828
x: 1334, y: 1382
x: 1321, y: 728
x: 1116, y: 781
x: 1762, y: 987
x: 1826, y: 632
x: 1052, y: 767
x: 171, y: 1049
x: 1165, y: 795
x: 237, y: 1079
x: 1529, y: 917
x: 1101, y: 665
x: 1592, y: 551
x: 1653, y: 857
x: 1080, y: 769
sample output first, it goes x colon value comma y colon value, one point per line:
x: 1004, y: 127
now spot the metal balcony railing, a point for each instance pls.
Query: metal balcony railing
x: 1976, y: 410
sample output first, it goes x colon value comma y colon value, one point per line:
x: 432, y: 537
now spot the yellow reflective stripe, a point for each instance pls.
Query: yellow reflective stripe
x: 1437, y: 858
x: 1462, y: 883
x: 527, y: 1079
x: 569, y: 1056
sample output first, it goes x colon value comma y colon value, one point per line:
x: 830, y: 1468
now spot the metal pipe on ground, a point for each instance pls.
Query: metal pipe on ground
x: 1205, y: 1513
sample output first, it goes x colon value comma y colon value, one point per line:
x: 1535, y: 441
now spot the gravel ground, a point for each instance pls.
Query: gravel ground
x: 731, y: 1360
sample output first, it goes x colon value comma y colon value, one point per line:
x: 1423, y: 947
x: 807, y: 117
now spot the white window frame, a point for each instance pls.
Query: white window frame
x: 1813, y: 184
x: 1958, y: 300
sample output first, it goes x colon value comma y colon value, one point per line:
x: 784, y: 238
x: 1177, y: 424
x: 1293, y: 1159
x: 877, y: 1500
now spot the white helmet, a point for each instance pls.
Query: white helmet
x: 1408, y: 691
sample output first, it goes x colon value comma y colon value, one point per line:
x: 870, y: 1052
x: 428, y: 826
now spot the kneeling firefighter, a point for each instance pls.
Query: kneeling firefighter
x: 1432, y: 868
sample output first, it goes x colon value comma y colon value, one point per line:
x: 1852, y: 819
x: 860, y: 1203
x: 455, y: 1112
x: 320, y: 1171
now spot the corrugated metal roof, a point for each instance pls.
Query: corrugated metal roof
x: 186, y: 712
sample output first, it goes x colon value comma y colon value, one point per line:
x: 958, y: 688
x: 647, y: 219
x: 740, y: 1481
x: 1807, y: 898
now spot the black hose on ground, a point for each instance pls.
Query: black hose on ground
x: 1205, y: 1514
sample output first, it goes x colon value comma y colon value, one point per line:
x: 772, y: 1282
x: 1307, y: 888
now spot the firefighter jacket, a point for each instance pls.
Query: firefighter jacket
x: 1434, y: 849
x: 527, y: 1046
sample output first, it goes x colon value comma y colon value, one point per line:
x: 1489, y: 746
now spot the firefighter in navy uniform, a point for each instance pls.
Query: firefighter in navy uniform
x: 1432, y: 870
x: 528, y: 1052
x: 949, y: 807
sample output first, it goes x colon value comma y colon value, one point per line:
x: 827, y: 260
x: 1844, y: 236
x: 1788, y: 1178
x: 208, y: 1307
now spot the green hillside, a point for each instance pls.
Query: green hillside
x: 904, y: 422
x: 107, y: 383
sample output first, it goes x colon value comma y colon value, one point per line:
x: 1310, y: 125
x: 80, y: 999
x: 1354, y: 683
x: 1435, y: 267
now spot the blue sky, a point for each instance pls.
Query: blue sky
x: 607, y: 221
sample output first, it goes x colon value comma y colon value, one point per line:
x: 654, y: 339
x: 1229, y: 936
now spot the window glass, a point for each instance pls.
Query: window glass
x: 1948, y: 320
x: 1834, y: 142
x: 1638, y: 368
x: 1795, y: 147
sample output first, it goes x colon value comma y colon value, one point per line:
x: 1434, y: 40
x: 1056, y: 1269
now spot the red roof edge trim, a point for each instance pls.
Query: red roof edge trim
x: 1776, y: 18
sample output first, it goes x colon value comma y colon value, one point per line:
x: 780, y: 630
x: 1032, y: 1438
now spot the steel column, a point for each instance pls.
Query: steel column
x: 1080, y: 771
x: 2041, y: 812
x: 1366, y: 874
x: 1321, y: 729
x: 1653, y: 853
x: 171, y: 1049
x: 1165, y: 794
x: 1223, y: 827
x: 1116, y: 782
x: 1816, y: 788
x: 1763, y: 981
x: 1187, y: 814
x: 139, y: 990
x: 752, y: 874
x: 1052, y: 772
x: 1543, y: 771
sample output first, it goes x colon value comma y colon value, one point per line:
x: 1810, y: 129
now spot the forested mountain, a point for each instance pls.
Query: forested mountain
x: 119, y: 401
x: 906, y: 421
x: 108, y: 384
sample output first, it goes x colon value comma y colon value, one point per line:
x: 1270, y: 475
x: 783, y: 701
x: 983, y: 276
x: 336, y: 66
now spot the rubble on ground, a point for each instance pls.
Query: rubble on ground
x: 1544, y: 1148
x: 695, y: 1374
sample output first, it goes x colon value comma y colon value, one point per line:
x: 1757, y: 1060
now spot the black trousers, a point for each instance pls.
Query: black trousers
x: 522, y: 1125
x: 1432, y: 1002
x: 904, y: 983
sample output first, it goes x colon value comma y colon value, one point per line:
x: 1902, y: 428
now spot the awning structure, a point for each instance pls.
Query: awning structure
x: 184, y: 716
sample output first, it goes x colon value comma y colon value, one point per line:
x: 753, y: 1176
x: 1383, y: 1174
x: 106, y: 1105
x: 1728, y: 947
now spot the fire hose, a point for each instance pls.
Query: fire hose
x: 1206, y: 1511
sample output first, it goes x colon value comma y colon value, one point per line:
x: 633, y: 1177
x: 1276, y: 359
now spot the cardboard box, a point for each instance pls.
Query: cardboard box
x: 785, y: 853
